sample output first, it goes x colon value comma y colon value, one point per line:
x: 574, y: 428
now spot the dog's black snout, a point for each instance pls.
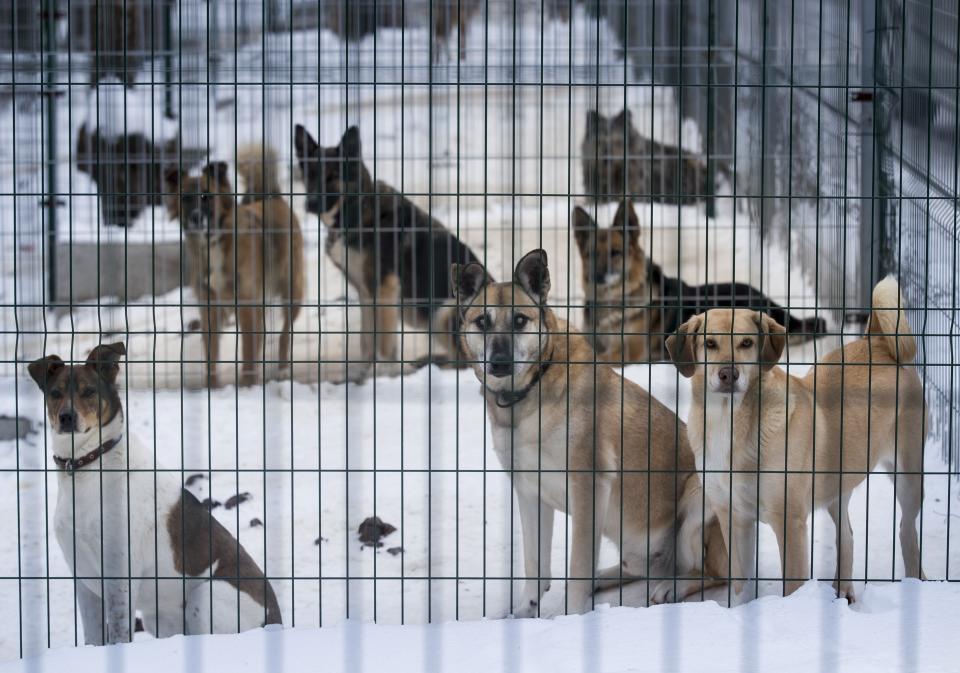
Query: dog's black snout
x: 500, y: 364
x: 728, y: 374
x: 600, y: 278
x: 68, y: 420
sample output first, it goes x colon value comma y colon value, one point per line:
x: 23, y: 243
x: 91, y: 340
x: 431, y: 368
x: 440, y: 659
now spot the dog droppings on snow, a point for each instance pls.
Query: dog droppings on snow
x: 210, y: 503
x: 194, y: 478
x: 373, y: 530
x: 237, y: 499
x: 319, y: 540
x: 255, y: 522
x: 395, y: 551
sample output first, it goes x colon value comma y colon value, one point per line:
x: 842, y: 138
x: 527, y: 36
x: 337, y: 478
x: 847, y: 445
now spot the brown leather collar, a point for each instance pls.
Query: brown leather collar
x: 71, y: 465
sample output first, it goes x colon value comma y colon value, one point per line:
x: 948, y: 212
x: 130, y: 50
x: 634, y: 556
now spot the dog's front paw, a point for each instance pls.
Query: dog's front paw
x: 529, y: 607
x: 340, y: 373
x: 845, y: 590
x: 664, y: 592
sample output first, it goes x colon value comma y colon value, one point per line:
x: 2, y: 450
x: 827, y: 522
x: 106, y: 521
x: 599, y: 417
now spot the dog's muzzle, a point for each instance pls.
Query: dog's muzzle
x: 196, y: 221
x: 500, y: 361
x: 727, y: 380
x: 67, y: 421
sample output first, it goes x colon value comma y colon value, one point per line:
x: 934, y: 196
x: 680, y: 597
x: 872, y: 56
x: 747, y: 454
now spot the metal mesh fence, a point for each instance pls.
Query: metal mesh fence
x: 281, y: 187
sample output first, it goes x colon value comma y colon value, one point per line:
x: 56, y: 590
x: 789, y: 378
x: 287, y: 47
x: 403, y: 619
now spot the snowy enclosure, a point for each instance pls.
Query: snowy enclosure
x: 831, y: 151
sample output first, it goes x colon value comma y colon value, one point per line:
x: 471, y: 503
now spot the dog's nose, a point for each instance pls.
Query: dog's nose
x: 728, y: 375
x: 68, y: 420
x: 600, y: 278
x: 500, y: 365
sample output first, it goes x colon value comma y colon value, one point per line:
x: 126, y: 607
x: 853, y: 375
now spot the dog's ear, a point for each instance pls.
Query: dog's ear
x: 584, y: 229
x: 350, y: 143
x: 533, y: 276
x: 218, y: 170
x: 104, y: 358
x: 682, y: 346
x: 622, y: 118
x: 626, y: 220
x: 304, y: 144
x: 467, y: 280
x: 43, y: 370
x: 172, y: 175
x: 774, y: 340
x: 594, y: 120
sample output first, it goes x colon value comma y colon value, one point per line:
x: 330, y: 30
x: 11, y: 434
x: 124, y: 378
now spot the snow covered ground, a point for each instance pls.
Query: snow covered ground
x: 905, y: 627
x: 319, y: 459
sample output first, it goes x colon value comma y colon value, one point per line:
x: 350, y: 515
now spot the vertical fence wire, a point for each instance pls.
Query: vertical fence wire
x: 828, y: 135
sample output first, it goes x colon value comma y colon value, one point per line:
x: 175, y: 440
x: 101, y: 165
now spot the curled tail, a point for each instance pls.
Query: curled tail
x: 889, y: 322
x: 257, y: 165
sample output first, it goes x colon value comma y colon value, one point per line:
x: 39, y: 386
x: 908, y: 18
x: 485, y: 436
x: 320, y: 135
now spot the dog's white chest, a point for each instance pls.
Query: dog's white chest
x: 535, y: 456
x: 349, y: 260
x: 717, y: 457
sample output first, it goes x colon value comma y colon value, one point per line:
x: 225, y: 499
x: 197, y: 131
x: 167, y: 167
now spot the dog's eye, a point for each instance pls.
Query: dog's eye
x: 746, y: 343
x: 88, y: 392
x: 520, y: 321
x: 616, y: 253
x: 711, y: 344
x: 482, y: 323
x: 56, y: 394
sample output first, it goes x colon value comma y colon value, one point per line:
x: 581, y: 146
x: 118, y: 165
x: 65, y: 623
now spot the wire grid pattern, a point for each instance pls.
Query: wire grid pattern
x: 769, y: 96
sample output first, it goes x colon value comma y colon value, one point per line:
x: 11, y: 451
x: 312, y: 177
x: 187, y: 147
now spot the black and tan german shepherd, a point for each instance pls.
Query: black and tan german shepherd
x: 393, y: 253
x: 632, y: 306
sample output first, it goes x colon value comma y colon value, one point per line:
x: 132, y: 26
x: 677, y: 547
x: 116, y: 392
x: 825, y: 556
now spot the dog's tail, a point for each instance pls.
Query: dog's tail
x: 257, y: 165
x: 888, y: 321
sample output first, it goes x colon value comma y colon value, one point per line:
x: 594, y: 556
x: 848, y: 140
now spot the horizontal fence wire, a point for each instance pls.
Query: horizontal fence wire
x: 263, y: 239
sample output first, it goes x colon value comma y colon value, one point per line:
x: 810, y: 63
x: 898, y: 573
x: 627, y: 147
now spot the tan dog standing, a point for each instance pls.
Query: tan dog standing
x: 577, y: 438
x: 243, y: 257
x: 859, y: 408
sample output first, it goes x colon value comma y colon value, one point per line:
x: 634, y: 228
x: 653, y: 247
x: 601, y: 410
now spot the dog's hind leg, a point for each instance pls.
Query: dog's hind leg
x: 908, y: 480
x: 291, y: 311
x: 612, y: 577
x: 840, y: 512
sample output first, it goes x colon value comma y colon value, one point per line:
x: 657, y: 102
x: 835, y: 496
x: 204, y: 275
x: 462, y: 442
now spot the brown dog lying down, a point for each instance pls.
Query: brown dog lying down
x: 857, y: 409
x: 243, y: 257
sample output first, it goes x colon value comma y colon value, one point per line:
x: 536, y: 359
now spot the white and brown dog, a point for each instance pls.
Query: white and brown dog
x: 773, y: 447
x: 577, y: 438
x: 135, y: 539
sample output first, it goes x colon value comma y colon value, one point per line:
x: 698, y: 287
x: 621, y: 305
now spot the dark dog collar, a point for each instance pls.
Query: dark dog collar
x: 509, y: 398
x: 71, y: 465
